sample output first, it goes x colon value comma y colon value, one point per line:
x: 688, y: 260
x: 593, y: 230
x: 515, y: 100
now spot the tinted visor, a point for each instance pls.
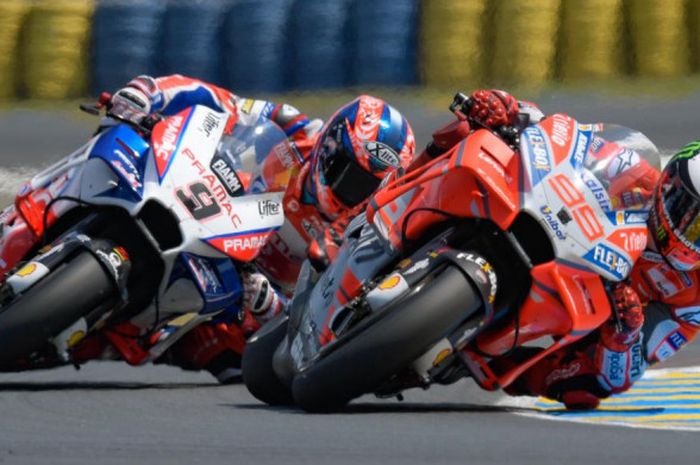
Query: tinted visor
x: 350, y: 183
x: 681, y: 207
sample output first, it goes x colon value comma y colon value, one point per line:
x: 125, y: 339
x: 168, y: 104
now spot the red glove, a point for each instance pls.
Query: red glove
x: 323, y: 250
x: 493, y: 108
x: 619, y: 337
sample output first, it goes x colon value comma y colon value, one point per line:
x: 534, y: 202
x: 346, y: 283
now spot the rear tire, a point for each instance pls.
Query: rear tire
x: 392, y: 340
x: 58, y: 300
x: 258, y: 373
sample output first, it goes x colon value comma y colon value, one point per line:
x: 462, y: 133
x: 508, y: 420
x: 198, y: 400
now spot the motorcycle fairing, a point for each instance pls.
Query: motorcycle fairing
x: 217, y: 281
x: 124, y: 151
x: 481, y: 177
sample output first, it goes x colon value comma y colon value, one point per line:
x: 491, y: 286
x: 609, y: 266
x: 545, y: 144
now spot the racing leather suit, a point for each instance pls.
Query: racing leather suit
x: 280, y: 260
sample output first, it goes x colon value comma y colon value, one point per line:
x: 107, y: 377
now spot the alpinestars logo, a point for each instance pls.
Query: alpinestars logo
x: 227, y: 175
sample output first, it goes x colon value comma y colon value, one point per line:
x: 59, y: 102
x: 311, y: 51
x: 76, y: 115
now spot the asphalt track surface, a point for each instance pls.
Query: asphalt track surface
x: 111, y: 413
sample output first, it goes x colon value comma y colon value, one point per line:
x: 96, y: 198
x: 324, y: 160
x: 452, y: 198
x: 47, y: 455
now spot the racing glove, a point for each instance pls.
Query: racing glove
x: 493, y: 108
x: 618, y: 334
x: 259, y: 297
x: 323, y: 250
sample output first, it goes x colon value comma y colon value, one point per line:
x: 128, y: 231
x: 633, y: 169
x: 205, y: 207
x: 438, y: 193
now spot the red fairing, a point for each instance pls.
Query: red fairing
x: 477, y: 178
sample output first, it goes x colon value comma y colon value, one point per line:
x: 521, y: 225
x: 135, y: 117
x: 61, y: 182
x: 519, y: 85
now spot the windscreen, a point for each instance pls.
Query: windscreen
x: 624, y: 164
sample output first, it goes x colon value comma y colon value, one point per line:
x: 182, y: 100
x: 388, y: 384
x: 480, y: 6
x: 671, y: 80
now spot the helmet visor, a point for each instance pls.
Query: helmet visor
x: 681, y: 208
x: 350, y: 183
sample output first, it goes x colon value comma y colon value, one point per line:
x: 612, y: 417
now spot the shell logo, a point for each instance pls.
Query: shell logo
x: 442, y: 355
x: 390, y: 282
x: 75, y: 338
x: 26, y: 270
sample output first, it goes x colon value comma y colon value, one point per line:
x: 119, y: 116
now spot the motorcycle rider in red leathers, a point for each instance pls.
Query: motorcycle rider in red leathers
x: 336, y: 168
x: 658, y: 307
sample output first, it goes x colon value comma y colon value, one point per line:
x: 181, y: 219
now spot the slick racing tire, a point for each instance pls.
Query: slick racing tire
x: 58, y: 300
x: 387, y: 342
x: 258, y: 373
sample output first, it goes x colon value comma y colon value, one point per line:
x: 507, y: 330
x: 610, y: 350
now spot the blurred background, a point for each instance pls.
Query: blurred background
x: 58, y: 49
x: 631, y: 62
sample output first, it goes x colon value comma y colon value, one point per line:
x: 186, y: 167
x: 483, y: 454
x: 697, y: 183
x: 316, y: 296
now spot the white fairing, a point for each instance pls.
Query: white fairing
x: 219, y: 200
x: 572, y: 187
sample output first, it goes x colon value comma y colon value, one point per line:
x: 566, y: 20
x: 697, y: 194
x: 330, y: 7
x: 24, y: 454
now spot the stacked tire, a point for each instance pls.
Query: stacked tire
x: 54, y: 50
x: 191, y: 39
x: 12, y: 16
x: 452, y: 42
x: 319, y: 32
x: 385, y: 42
x: 525, y: 40
x: 125, y: 41
x: 256, y: 44
x: 659, y: 37
x: 591, y: 34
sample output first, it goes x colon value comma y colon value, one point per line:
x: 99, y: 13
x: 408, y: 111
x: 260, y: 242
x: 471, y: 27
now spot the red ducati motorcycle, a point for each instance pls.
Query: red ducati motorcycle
x: 505, y: 241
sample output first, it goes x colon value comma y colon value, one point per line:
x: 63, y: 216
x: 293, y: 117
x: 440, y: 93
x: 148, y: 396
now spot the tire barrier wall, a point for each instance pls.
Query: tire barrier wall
x: 12, y: 16
x: 53, y: 63
x: 54, y: 49
x: 125, y: 41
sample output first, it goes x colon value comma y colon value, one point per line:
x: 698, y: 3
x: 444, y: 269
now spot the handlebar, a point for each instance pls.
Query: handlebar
x: 461, y: 106
x: 104, y: 102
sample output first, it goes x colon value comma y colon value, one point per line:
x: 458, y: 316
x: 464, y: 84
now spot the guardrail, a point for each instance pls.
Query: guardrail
x: 55, y: 49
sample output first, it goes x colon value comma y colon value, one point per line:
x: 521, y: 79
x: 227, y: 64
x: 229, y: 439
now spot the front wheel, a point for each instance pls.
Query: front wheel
x: 258, y: 372
x: 391, y: 340
x: 68, y: 293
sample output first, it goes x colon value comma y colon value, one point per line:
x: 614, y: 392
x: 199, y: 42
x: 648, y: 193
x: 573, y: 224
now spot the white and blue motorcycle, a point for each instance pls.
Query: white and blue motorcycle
x: 140, y: 235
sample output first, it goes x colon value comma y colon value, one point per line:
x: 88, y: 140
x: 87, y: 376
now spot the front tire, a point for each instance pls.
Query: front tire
x: 258, y: 373
x: 68, y: 293
x: 390, y: 341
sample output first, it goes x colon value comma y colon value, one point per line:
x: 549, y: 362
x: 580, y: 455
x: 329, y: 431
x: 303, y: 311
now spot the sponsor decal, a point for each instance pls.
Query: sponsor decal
x: 689, y: 315
x: 383, y: 153
x: 293, y: 205
x: 597, y: 189
x: 609, y: 260
x: 214, y: 188
x: 419, y: 265
x: 492, y: 163
x: 165, y: 139
x: 269, y: 208
x: 227, y: 175
x: 688, y: 151
x: 631, y: 240
x: 247, y: 105
x: 211, y: 122
x: 114, y: 260
x: 237, y: 244
x: 548, y: 215
x: 486, y: 268
x: 390, y: 282
x: 562, y: 373
x: 560, y: 130
x: 538, y: 153
x: 284, y: 155
x: 206, y: 277
x: 131, y: 177
x: 442, y: 355
x: 26, y: 270
x: 638, y: 364
x: 74, y: 338
x: 615, y: 365
x: 677, y: 340
x: 581, y: 148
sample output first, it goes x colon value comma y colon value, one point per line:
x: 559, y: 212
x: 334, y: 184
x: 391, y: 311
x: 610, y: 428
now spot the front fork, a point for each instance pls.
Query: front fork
x: 114, y: 260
